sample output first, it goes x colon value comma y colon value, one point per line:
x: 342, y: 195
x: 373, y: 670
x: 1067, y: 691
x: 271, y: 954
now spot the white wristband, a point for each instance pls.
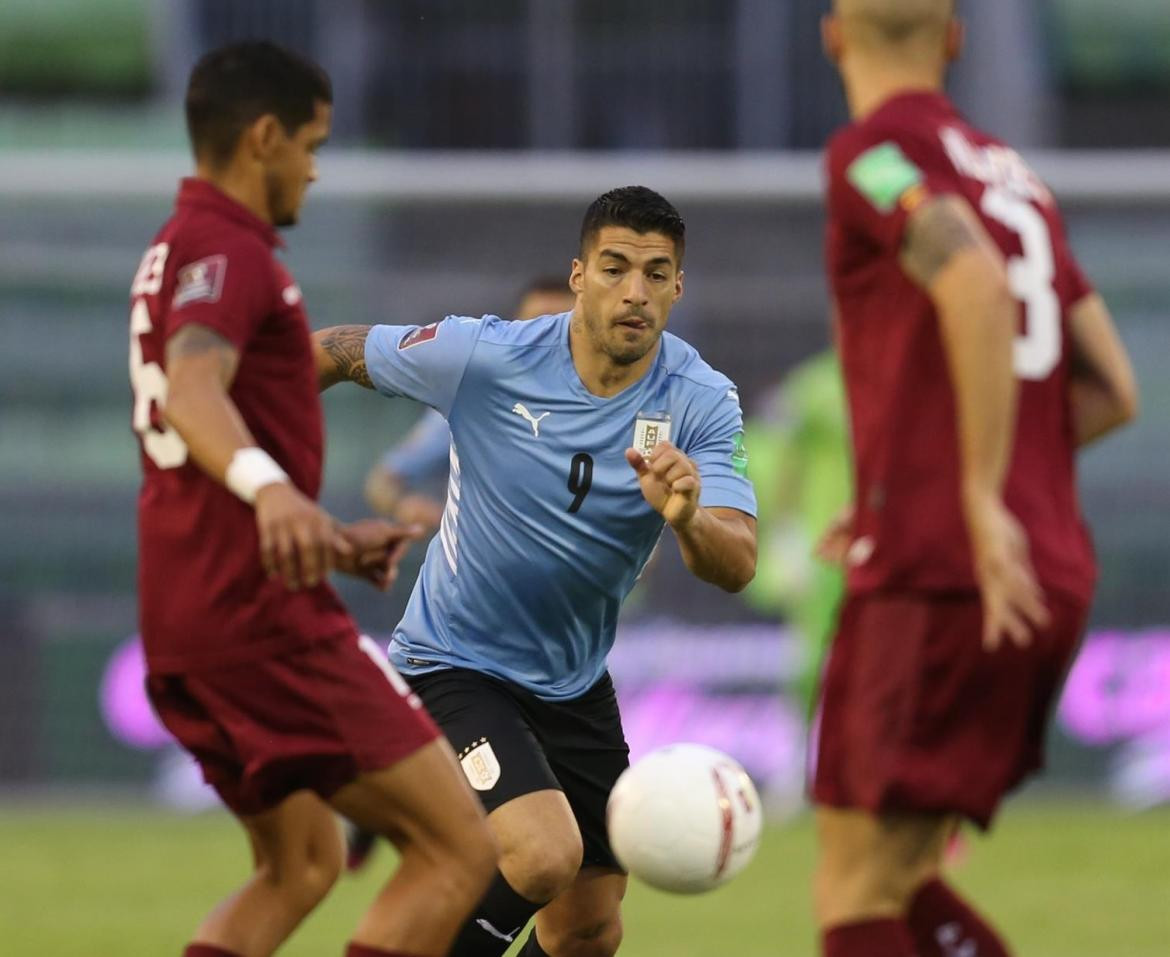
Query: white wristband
x: 250, y: 470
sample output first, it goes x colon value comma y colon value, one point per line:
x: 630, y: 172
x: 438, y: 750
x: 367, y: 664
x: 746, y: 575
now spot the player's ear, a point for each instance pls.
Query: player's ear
x: 577, y: 277
x: 678, y: 287
x: 264, y: 136
x: 831, y: 37
x: 956, y: 37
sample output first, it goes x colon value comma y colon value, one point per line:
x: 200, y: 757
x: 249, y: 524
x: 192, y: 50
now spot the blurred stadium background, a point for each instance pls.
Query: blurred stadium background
x: 469, y: 136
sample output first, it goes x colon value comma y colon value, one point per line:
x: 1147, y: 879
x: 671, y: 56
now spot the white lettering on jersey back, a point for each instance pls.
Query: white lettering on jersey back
x: 533, y: 420
x: 994, y: 165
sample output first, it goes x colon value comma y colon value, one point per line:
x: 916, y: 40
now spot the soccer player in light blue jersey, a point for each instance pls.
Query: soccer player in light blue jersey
x: 575, y: 439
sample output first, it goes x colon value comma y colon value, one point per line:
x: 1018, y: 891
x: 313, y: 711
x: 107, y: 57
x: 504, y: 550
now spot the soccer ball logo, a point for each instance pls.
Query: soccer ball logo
x: 685, y: 818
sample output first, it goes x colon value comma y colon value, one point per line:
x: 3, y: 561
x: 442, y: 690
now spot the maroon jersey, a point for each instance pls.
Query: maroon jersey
x: 910, y: 530
x: 204, y: 598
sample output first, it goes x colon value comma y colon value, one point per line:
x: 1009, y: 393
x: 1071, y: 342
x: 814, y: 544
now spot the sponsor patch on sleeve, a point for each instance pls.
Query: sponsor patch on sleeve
x: 739, y: 455
x: 882, y: 174
x: 418, y: 336
x: 200, y: 281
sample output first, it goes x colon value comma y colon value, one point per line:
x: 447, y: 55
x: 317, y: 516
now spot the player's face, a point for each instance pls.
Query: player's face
x: 626, y: 286
x: 293, y: 165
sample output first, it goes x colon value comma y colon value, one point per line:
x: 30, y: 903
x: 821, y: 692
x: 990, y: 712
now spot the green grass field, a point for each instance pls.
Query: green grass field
x: 1062, y: 879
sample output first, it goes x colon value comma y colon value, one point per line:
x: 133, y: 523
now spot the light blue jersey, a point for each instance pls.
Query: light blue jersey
x: 545, y: 529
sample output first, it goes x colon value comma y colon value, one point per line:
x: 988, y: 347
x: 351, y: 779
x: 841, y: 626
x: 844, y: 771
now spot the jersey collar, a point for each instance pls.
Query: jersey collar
x: 200, y: 193
x: 635, y: 388
x: 934, y: 101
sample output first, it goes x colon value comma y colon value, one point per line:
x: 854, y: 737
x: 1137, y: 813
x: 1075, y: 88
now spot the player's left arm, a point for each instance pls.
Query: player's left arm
x: 339, y: 353
x: 1102, y: 389
x: 717, y: 544
x: 949, y: 254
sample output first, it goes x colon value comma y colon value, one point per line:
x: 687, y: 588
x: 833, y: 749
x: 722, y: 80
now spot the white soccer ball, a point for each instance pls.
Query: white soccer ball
x: 685, y: 818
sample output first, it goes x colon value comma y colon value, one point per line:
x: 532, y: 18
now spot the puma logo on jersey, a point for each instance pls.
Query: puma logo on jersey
x: 533, y: 420
x: 486, y: 925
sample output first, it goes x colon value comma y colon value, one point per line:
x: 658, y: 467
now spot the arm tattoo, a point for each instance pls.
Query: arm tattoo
x: 936, y: 232
x: 194, y: 340
x: 346, y: 346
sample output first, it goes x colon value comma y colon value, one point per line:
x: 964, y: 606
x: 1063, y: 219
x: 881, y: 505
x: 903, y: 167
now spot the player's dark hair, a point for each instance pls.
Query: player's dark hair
x: 636, y: 208
x: 232, y: 87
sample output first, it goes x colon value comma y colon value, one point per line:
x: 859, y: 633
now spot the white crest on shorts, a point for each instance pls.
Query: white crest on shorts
x: 480, y: 765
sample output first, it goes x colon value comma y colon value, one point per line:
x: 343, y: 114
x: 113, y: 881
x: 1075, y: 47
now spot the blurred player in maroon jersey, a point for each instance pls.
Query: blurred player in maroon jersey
x: 977, y: 358
x: 252, y: 661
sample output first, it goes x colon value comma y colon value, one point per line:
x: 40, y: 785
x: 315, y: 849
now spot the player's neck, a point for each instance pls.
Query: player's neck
x: 869, y: 84
x: 245, y: 188
x: 598, y: 372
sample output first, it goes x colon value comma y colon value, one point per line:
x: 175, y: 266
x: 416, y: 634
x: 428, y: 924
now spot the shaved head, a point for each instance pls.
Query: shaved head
x: 883, y: 46
x: 895, y: 22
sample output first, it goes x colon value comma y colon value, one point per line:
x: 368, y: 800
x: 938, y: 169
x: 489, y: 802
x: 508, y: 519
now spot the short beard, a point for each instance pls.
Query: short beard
x: 629, y: 355
x: 618, y: 355
x: 280, y: 215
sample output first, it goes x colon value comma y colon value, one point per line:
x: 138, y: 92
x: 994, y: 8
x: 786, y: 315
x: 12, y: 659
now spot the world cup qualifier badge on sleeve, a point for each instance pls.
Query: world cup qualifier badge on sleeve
x: 650, y: 428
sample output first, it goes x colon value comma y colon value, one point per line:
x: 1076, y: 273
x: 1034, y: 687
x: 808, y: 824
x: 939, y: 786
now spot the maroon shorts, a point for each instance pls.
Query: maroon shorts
x: 916, y: 717
x: 312, y: 719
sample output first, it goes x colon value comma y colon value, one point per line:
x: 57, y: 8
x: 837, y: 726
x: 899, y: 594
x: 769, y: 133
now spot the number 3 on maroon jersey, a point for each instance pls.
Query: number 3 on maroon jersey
x: 1030, y: 276
x: 163, y: 445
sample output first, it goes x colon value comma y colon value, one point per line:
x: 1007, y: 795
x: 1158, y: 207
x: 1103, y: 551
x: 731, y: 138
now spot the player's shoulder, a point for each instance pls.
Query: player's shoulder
x: 543, y: 331
x: 194, y: 235
x: 688, y: 370
x: 910, y: 122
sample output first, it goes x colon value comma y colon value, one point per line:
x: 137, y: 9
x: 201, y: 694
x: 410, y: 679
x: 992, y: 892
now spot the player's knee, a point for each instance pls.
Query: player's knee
x: 302, y: 884
x: 598, y: 939
x: 542, y: 868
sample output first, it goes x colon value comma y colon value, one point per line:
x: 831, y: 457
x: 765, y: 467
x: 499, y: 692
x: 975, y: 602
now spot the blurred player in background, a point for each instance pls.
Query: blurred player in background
x: 977, y: 358
x: 799, y: 439
x: 575, y: 439
x: 253, y: 663
x: 393, y: 484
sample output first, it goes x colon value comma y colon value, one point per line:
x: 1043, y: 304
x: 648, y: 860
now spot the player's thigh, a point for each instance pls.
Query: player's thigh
x: 539, y: 841
x: 587, y: 751
x: 871, y: 864
x: 588, y: 912
x: 296, y: 842
x: 421, y: 802
x: 503, y: 761
x: 496, y: 747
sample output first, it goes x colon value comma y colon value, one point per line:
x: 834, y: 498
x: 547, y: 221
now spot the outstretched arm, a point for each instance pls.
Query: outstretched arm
x: 948, y: 253
x: 340, y: 355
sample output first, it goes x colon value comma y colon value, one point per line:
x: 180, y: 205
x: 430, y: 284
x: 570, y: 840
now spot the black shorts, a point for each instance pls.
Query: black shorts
x: 512, y: 743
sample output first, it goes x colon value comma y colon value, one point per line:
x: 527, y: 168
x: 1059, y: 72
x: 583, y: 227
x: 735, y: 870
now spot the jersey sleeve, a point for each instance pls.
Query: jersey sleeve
x: 877, y: 178
x: 717, y: 449
x: 424, y: 363
x: 227, y: 287
x: 423, y: 452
